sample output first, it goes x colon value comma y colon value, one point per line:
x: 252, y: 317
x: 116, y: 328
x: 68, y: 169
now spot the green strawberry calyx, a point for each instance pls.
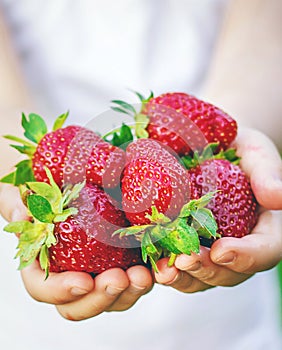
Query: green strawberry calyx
x: 141, y: 119
x: 210, y: 152
x: 166, y: 237
x: 34, y: 129
x: 46, y: 205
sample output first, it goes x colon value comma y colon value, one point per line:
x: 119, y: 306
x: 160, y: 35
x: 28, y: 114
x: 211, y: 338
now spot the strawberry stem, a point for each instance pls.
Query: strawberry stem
x: 171, y: 260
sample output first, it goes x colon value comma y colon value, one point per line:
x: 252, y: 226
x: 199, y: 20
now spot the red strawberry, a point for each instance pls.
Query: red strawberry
x: 72, y: 153
x: 182, y: 122
x: 76, y: 238
x: 152, y: 177
x: 233, y: 205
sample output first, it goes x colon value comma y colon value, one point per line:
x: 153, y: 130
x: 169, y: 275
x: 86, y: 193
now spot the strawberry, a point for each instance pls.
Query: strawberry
x: 181, y: 121
x: 71, y: 153
x: 152, y: 176
x: 72, y: 230
x: 233, y: 205
x: 155, y: 194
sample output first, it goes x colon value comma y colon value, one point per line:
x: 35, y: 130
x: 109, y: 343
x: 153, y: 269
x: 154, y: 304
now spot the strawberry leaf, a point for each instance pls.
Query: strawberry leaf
x: 57, y: 201
x: 148, y: 249
x: 204, y: 222
x: 142, y: 121
x: 35, y: 127
x: 156, y: 217
x: 9, y: 179
x: 18, y: 226
x: 71, y: 192
x: 47, y: 191
x: 24, y: 172
x: 65, y: 214
x: 195, y: 204
x: 50, y: 238
x: 28, y: 150
x: 185, y: 238
x: 30, y: 243
x: 44, y: 260
x: 19, y: 140
x: 127, y: 107
x: 132, y: 230
x: 59, y: 122
x: 40, y: 208
x: 120, y: 137
x: 21, y: 175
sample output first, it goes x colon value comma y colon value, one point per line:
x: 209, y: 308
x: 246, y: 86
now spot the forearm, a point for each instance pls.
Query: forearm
x: 245, y: 77
x: 14, y: 97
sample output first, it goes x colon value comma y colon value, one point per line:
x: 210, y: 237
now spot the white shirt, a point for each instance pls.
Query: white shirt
x: 78, y: 55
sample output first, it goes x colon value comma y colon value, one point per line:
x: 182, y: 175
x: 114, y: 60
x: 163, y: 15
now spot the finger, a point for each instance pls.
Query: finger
x: 201, y: 267
x: 108, y: 287
x: 177, y: 279
x: 140, y: 283
x: 262, y: 162
x: 259, y: 251
x: 12, y: 207
x: 58, y: 288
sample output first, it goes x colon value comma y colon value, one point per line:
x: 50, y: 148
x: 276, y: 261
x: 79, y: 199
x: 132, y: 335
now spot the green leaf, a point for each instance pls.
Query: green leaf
x: 132, y: 230
x: 156, y: 217
x: 195, y: 204
x: 206, y: 225
x: 24, y: 172
x: 126, y: 106
x: 28, y: 150
x: 18, y: 226
x: 65, y: 214
x: 142, y: 121
x: 9, y: 179
x: 120, y: 110
x: 35, y: 127
x: 44, y: 260
x: 59, y: 122
x: 141, y: 97
x: 208, y: 152
x: 40, y: 208
x: 125, y: 133
x: 169, y: 241
x: 30, y: 243
x: 149, y: 249
x: 47, y: 191
x: 189, y: 162
x: 231, y: 155
x: 50, y: 238
x: 57, y: 201
x: 72, y: 192
x: 185, y: 238
x: 19, y: 140
x: 120, y: 137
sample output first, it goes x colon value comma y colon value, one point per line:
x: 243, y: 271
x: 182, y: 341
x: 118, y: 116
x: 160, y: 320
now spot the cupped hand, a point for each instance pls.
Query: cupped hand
x: 77, y: 295
x: 231, y: 261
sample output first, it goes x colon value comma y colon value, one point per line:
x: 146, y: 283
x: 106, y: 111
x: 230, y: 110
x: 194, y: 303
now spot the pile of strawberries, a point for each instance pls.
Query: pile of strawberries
x: 160, y: 188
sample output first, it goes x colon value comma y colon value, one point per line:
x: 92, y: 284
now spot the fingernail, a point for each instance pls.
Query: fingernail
x: 176, y: 278
x: 113, y: 291
x: 77, y: 291
x: 226, y: 258
x: 137, y: 289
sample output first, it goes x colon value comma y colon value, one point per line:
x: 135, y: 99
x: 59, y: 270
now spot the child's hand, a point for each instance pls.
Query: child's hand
x: 76, y: 294
x: 231, y: 261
